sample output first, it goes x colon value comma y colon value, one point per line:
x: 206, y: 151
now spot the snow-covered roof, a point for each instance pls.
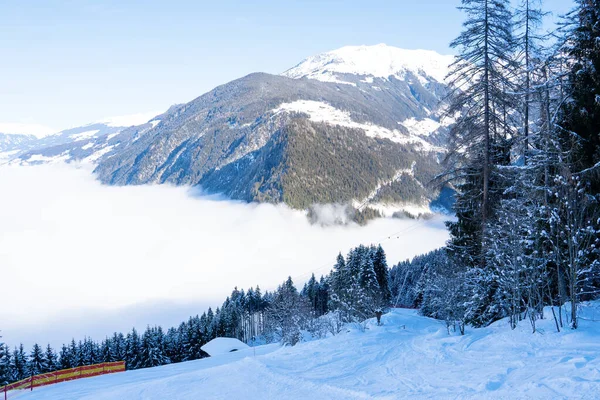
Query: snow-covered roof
x: 222, y: 345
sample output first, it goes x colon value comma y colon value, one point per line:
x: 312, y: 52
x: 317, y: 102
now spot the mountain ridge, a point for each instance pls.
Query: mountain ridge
x: 292, y: 138
x: 359, y: 60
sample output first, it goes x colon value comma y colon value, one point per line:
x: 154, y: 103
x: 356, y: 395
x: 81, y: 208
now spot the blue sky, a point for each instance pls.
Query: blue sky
x: 69, y: 62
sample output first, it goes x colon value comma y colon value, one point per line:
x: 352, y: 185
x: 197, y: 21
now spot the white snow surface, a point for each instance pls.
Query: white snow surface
x: 96, y: 155
x: 424, y: 127
x: 323, y: 112
x: 409, y: 356
x: 84, y: 135
x: 41, y: 158
x: 6, y: 155
x: 381, y: 61
x: 223, y: 345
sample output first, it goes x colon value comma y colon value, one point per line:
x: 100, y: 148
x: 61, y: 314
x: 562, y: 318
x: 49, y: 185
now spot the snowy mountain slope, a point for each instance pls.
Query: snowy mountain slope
x: 14, y: 142
x: 270, y: 138
x: 87, y: 143
x: 275, y: 139
x: 380, y: 61
x: 323, y: 112
x: 408, y: 357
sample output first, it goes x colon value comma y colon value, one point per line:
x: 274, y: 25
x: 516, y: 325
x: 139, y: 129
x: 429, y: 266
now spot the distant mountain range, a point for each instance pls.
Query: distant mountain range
x: 360, y: 126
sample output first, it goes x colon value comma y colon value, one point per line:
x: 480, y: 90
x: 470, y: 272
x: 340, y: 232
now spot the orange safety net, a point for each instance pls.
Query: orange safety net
x: 65, y: 375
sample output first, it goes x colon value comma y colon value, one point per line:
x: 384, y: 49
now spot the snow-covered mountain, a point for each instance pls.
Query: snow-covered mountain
x: 359, y: 125
x: 380, y: 61
x: 15, y: 137
x: 86, y: 143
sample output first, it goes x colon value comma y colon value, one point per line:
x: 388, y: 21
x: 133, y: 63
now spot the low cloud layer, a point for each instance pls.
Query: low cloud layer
x: 70, y: 246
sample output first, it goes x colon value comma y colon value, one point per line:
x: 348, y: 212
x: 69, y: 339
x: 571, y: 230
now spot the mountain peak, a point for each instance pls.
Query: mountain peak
x: 380, y: 61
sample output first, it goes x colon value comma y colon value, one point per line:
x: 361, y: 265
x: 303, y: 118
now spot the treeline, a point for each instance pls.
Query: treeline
x: 355, y: 289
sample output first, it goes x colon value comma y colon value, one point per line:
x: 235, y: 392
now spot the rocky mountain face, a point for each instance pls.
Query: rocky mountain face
x: 359, y: 125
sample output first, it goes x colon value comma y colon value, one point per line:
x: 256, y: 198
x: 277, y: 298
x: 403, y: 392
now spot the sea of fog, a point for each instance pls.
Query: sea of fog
x: 81, y: 258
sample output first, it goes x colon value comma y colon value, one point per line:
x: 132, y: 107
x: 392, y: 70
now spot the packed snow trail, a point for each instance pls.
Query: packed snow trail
x: 409, y: 356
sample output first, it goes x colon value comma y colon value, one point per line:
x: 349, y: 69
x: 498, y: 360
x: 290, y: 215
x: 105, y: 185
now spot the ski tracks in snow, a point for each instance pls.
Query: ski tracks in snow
x: 409, y: 356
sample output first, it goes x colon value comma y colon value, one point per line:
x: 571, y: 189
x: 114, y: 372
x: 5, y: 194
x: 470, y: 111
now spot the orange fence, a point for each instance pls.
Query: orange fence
x: 64, y: 375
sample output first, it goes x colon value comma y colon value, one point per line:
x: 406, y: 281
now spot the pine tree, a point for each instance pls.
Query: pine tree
x: 50, y: 360
x: 480, y: 139
x: 310, y: 291
x: 132, y: 350
x: 529, y: 19
x: 89, y: 352
x: 20, y: 361
x: 152, y: 348
x: 6, y: 373
x: 370, y: 295
x: 338, y: 278
x: 322, y: 297
x: 579, y: 181
x: 75, y: 354
x: 382, y: 272
x: 288, y: 313
x: 211, y: 334
x: 106, y: 351
x: 118, y: 344
x: 65, y: 359
x: 35, y: 364
x: 173, y: 345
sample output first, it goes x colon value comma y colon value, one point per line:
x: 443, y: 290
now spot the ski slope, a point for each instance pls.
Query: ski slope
x: 409, y: 356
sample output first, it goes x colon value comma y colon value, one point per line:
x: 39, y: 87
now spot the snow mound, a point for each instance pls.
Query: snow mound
x: 84, y: 135
x: 379, y: 61
x: 223, y: 345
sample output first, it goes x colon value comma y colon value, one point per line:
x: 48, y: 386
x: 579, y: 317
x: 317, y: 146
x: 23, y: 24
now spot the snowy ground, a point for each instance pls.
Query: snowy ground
x: 409, y: 356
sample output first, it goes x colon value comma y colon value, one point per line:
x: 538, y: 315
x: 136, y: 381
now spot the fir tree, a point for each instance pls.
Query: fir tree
x: 65, y: 359
x: 152, y: 348
x: 75, y: 354
x: 132, y: 350
x: 20, y: 361
x: 106, y: 351
x: 118, y: 343
x: 480, y: 139
x: 50, y: 360
x: 578, y: 182
x: 322, y: 297
x: 288, y: 312
x: 35, y: 364
x: 382, y: 272
x: 6, y: 372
